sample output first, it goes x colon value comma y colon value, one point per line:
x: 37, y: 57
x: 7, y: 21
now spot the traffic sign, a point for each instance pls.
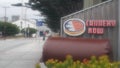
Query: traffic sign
x: 39, y: 23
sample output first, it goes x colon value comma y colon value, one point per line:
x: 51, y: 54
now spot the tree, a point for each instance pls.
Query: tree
x: 29, y: 31
x: 8, y: 29
x: 53, y: 10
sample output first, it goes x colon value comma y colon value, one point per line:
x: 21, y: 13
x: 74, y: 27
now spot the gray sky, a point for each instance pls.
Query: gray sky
x: 12, y: 10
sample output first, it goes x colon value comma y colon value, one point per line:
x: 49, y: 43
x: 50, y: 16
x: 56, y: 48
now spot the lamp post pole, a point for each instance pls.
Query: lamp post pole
x: 26, y: 6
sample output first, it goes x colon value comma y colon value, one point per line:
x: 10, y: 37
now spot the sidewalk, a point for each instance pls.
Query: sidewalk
x: 25, y: 56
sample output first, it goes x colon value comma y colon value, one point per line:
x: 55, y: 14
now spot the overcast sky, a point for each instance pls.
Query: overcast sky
x: 12, y: 10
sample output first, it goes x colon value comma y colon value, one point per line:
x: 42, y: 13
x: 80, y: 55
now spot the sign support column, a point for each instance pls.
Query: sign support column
x: 118, y: 30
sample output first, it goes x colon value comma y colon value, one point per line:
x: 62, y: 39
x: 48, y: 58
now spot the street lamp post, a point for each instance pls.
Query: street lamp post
x: 25, y: 21
x: 26, y: 6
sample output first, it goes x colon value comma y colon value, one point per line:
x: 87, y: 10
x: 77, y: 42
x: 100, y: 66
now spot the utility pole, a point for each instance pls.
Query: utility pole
x: 5, y: 20
x: 5, y: 17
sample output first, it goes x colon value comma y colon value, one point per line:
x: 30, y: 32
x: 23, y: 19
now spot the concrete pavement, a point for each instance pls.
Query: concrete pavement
x: 25, y: 56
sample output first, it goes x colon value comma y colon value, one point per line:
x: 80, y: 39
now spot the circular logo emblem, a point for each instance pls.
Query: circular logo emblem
x: 74, y: 27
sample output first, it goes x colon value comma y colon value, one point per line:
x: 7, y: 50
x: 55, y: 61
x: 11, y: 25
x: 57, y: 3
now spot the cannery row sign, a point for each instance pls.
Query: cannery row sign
x: 76, y: 27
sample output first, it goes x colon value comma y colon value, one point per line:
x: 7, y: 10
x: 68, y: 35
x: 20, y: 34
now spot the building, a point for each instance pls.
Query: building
x: 101, y: 20
x: 15, y: 18
x: 4, y: 19
x: 27, y: 23
x: 24, y: 24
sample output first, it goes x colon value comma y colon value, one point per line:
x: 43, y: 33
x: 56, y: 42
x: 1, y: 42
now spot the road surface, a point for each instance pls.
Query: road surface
x: 20, y: 53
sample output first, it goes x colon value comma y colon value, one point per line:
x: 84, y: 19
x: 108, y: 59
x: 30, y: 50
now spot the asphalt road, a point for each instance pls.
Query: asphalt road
x: 20, y: 53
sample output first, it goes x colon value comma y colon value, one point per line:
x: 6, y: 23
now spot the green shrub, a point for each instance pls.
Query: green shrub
x: 37, y: 65
x: 8, y: 29
x: 101, y: 62
x: 29, y: 31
